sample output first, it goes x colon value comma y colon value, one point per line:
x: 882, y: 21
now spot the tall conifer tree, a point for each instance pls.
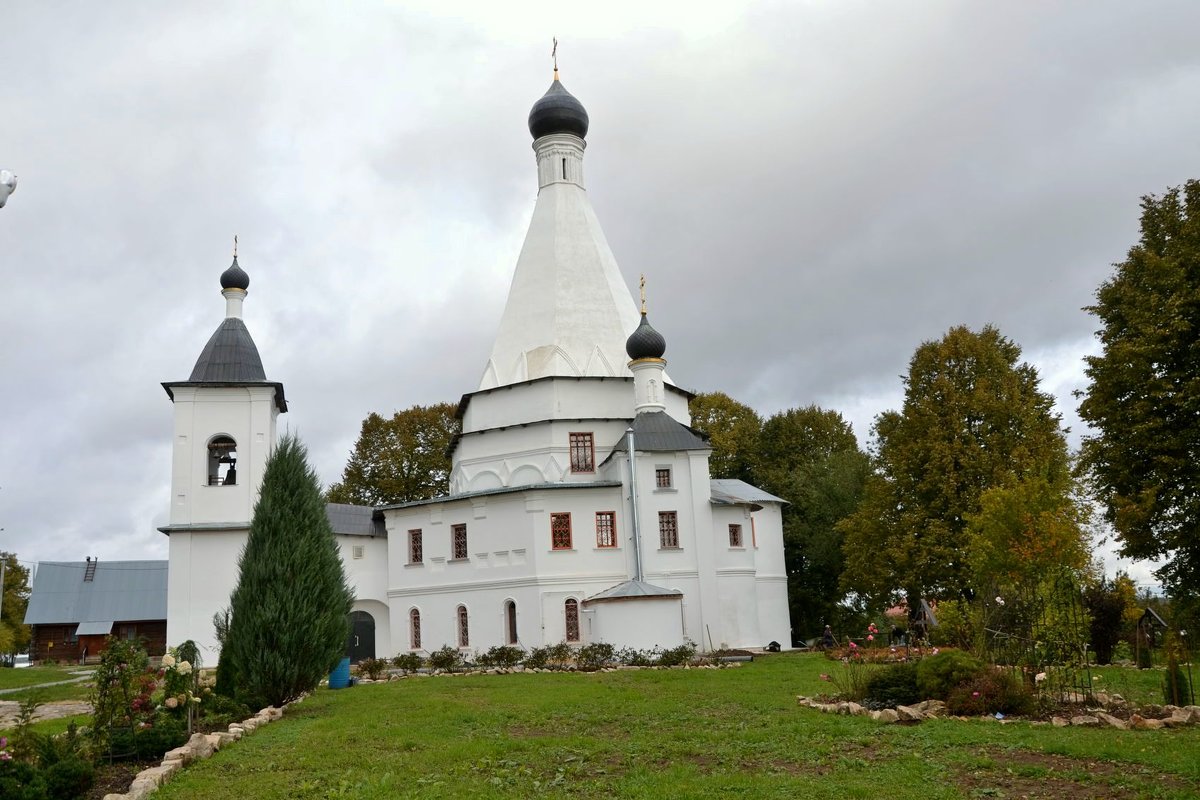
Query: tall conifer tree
x: 290, y: 609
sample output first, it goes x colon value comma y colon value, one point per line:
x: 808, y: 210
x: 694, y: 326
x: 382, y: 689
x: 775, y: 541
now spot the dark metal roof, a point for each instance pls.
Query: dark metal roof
x: 235, y: 277
x: 229, y: 357
x: 350, y: 520
x: 633, y: 590
x: 645, y: 342
x: 557, y: 111
x: 657, y: 431
x: 118, y: 590
x: 449, y: 498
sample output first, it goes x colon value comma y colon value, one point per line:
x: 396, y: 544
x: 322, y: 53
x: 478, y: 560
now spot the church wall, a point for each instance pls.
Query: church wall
x: 526, y: 455
x: 245, y: 413
x: 201, y: 574
x: 771, y: 576
x: 368, y: 577
x: 640, y: 624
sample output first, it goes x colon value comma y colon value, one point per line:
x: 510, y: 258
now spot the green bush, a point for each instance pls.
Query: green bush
x: 216, y: 708
x: 21, y: 781
x: 678, y: 656
x: 632, y: 657
x: 561, y: 654
x: 373, y: 668
x: 69, y: 779
x: 938, y: 675
x: 894, y: 685
x: 501, y: 656
x: 596, y: 655
x: 409, y: 662
x: 989, y: 692
x: 150, y: 743
x: 537, y: 658
x: 1177, y: 691
x: 446, y: 658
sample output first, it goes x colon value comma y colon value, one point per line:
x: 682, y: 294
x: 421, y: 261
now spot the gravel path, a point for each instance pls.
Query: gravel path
x: 9, y: 709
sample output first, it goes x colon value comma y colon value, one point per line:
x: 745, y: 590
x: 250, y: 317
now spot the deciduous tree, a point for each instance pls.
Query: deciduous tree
x: 973, y: 419
x: 14, y: 633
x: 290, y: 608
x: 1144, y: 397
x: 399, y: 459
x: 733, y: 430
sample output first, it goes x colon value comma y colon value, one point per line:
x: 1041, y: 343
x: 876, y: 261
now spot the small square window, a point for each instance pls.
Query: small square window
x: 560, y: 531
x: 735, y: 536
x: 662, y: 478
x: 358, y: 550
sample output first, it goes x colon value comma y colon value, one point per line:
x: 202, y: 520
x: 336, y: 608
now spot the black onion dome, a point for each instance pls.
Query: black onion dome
x: 229, y: 357
x: 235, y: 277
x: 558, y: 112
x: 645, y: 342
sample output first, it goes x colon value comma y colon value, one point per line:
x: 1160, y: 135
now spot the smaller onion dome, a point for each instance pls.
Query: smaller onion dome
x: 235, y: 277
x: 645, y: 342
x: 558, y: 112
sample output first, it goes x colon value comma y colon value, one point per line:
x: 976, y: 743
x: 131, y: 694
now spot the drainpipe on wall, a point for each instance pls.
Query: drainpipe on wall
x: 637, y: 538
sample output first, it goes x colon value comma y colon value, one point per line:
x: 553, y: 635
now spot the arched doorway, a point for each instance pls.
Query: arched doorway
x: 362, y: 636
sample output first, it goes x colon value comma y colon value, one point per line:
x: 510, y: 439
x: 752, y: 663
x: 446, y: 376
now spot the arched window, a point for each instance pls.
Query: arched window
x: 222, y: 461
x: 571, y: 609
x: 464, y: 639
x: 414, y: 629
x: 510, y: 622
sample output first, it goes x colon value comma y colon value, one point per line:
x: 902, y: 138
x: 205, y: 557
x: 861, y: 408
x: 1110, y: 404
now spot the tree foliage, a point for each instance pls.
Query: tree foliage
x: 1144, y: 396
x: 400, y: 459
x: 14, y: 633
x: 810, y: 457
x: 290, y: 608
x: 733, y: 430
x: 973, y: 418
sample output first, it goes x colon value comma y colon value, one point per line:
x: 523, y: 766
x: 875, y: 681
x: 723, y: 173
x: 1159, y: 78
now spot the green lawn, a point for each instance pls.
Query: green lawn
x: 30, y: 676
x: 694, y: 733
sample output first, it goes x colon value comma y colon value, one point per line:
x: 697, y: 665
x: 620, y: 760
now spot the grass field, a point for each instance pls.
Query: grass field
x: 660, y: 734
x: 30, y: 676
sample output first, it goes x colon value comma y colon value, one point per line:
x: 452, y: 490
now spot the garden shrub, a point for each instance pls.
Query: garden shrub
x: 409, y: 662
x: 373, y: 668
x: 150, y: 743
x: 561, y: 654
x: 633, y: 657
x: 1177, y: 691
x: 894, y: 685
x: 989, y: 692
x: 537, y: 658
x: 69, y: 779
x: 21, y: 781
x: 677, y: 656
x: 218, y: 711
x: 596, y: 655
x: 121, y: 697
x: 501, y: 656
x: 938, y: 675
x: 446, y: 658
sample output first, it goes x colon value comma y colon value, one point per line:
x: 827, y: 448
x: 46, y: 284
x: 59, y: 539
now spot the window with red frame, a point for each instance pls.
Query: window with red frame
x: 560, y: 531
x: 668, y: 530
x: 606, y: 529
x: 662, y: 478
x: 458, y: 536
x: 571, y: 608
x: 416, y: 552
x: 583, y: 452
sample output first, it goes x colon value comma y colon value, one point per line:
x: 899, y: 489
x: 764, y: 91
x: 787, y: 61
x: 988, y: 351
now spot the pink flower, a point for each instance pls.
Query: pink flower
x: 870, y: 638
x: 974, y: 694
x: 935, y: 651
x: 853, y: 646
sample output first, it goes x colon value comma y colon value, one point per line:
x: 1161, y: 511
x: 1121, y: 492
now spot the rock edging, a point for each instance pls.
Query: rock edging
x: 199, y: 747
x: 1175, y: 716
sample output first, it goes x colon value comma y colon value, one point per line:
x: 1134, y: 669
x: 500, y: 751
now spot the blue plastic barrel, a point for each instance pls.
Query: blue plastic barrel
x: 339, y: 678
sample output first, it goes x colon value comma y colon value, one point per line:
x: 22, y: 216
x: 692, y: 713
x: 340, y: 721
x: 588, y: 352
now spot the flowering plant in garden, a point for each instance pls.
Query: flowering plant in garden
x: 4, y: 754
x: 180, y: 679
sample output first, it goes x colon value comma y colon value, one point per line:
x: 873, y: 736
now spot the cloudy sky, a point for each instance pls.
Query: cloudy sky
x: 813, y: 189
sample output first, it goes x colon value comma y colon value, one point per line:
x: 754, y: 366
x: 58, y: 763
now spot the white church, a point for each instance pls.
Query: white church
x: 580, y: 506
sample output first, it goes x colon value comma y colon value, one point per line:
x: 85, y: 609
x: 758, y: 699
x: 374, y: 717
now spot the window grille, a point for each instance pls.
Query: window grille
x: 668, y: 530
x: 662, y: 478
x: 606, y: 529
x: 414, y: 632
x: 416, y: 552
x: 735, y: 535
x: 560, y: 531
x: 583, y: 452
x: 459, y: 536
x: 571, y: 609
x: 464, y: 639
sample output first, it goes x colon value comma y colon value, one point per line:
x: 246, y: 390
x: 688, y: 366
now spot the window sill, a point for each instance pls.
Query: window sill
x: 562, y: 549
x: 612, y: 548
x: 665, y: 490
x: 457, y: 560
x: 736, y: 547
x: 415, y: 564
x: 670, y: 549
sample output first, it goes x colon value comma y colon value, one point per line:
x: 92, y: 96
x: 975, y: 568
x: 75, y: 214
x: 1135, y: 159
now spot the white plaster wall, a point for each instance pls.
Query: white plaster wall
x: 202, y: 572
x: 771, y: 576
x: 245, y: 413
x: 641, y: 624
x: 526, y: 455
x: 563, y: 398
x: 368, y: 576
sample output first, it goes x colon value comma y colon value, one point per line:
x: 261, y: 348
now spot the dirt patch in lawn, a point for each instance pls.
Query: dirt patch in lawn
x: 1033, y: 775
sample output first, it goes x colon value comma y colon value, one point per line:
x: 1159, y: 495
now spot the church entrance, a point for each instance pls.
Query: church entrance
x: 362, y: 637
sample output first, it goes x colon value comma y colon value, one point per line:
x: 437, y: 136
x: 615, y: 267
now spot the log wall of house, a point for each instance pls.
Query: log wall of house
x: 59, y: 642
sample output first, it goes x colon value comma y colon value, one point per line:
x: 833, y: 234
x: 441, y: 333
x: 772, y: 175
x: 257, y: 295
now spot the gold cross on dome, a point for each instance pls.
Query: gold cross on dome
x: 643, y: 287
x: 235, y: 245
x: 554, y: 55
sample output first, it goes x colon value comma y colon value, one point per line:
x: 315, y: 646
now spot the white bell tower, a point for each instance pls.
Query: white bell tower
x: 225, y: 419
